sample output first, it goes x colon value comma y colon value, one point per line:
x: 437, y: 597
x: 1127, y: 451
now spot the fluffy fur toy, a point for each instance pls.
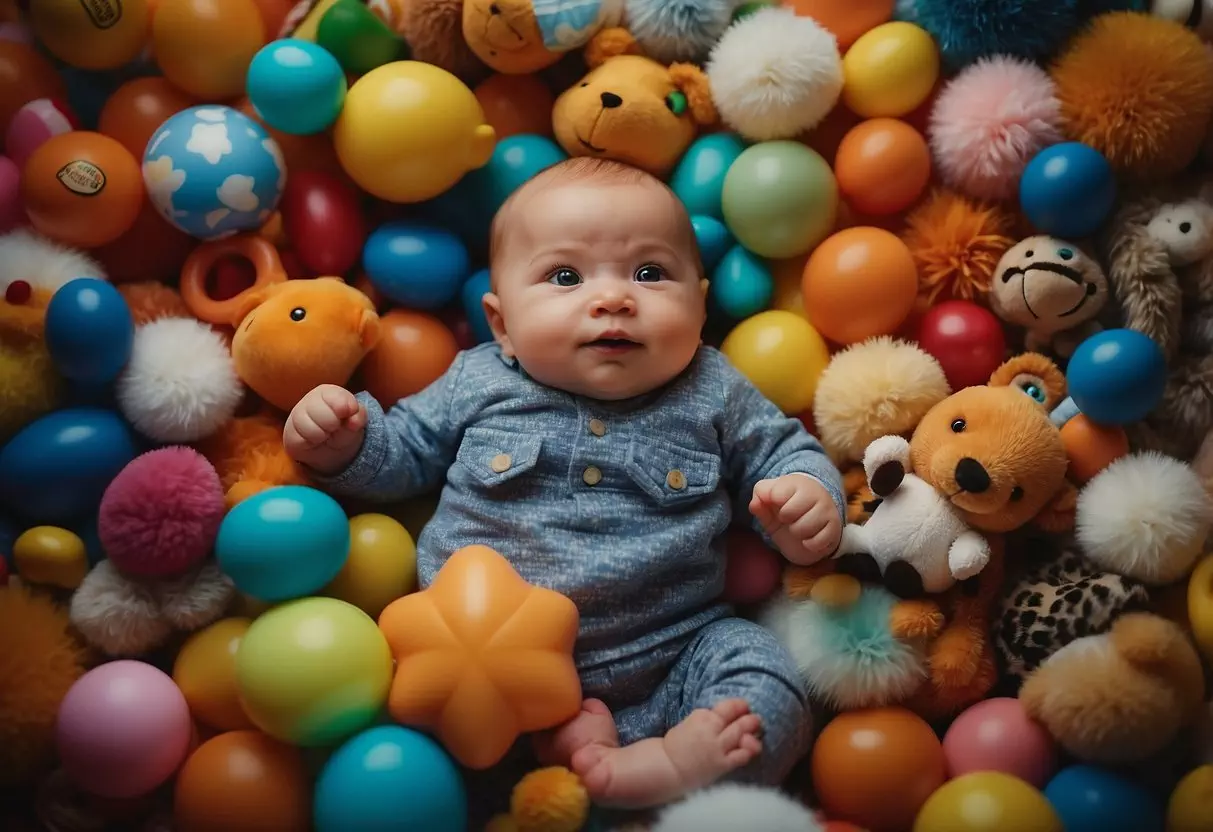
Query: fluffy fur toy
x: 631, y: 108
x: 670, y: 31
x: 522, y: 36
x: 731, y: 807
x: 1185, y: 230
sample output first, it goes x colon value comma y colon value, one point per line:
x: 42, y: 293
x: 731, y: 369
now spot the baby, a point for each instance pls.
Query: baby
x: 603, y: 450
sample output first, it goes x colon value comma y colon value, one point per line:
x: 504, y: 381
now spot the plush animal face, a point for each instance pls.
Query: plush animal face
x: 1047, y: 285
x: 521, y: 36
x: 1185, y: 229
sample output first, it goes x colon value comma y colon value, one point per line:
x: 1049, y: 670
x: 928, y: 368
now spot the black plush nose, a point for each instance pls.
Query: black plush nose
x: 971, y: 477
x: 611, y: 101
x: 494, y: 9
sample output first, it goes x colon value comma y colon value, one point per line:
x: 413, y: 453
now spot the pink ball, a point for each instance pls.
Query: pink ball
x: 753, y: 571
x: 123, y: 729
x: 16, y: 33
x: 997, y: 735
x: 12, y: 212
x: 35, y: 123
x: 161, y: 514
x: 988, y: 123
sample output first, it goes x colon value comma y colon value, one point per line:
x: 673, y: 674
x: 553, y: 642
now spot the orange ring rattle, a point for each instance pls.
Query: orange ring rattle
x: 197, y: 268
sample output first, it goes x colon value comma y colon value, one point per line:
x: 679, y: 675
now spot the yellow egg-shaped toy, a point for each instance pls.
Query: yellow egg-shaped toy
x: 782, y: 355
x: 381, y: 565
x: 889, y: 71
x: 205, y: 671
x: 51, y: 556
x: 409, y: 131
x: 987, y: 801
x: 1190, y: 808
x: 1200, y: 606
x: 92, y: 34
x: 788, y: 294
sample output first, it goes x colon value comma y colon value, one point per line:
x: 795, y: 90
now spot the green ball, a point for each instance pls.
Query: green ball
x: 357, y: 38
x: 780, y: 199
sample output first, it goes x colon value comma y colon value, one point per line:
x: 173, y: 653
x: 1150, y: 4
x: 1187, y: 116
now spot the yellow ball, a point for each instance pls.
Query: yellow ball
x: 409, y: 131
x: 314, y: 671
x: 889, y: 71
x: 51, y: 556
x: 1191, y: 805
x: 987, y: 801
x: 97, y: 34
x: 205, y: 670
x: 381, y: 566
x: 1200, y: 606
x: 782, y: 355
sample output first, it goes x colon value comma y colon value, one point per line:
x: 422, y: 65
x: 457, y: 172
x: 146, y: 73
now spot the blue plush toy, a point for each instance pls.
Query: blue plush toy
x: 967, y: 30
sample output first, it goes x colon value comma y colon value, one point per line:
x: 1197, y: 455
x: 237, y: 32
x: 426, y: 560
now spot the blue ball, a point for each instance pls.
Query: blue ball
x: 472, y: 295
x: 56, y: 468
x: 212, y: 172
x: 741, y: 285
x: 714, y: 239
x: 89, y: 331
x: 698, y: 180
x: 283, y: 543
x: 966, y: 30
x: 1089, y: 799
x: 515, y: 160
x: 416, y: 265
x: 390, y: 779
x: 1117, y: 376
x: 296, y: 86
x: 1068, y: 190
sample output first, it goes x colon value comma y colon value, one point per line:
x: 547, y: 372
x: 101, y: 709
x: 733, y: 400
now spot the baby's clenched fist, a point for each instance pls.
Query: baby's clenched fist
x: 800, y: 517
x: 324, y: 431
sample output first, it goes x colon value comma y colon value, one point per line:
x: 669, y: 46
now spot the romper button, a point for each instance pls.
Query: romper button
x: 592, y: 476
x: 597, y: 427
x: 676, y: 480
x: 501, y: 463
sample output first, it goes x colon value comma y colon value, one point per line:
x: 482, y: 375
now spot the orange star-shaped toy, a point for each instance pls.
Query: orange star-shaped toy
x: 482, y: 657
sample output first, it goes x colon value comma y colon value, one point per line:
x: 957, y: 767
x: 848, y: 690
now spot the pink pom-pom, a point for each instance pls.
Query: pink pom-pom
x: 161, y: 514
x: 988, y: 123
x: 34, y: 124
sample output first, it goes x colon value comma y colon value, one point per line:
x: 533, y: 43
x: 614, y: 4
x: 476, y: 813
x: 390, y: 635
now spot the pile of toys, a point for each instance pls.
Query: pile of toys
x: 967, y: 246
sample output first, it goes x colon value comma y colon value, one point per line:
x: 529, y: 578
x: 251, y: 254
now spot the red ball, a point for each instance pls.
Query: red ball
x: 3, y: 570
x: 322, y: 218
x: 998, y: 735
x: 966, y: 339
x: 754, y: 569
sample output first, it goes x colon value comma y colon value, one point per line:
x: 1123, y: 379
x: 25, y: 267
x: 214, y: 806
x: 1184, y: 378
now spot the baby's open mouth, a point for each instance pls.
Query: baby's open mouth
x: 613, y: 344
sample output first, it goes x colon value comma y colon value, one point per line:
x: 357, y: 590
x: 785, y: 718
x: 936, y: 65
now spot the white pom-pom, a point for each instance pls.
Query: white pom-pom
x: 42, y: 263
x: 192, y: 601
x: 730, y: 807
x: 775, y: 75
x: 1145, y: 516
x: 180, y: 384
x: 117, y: 615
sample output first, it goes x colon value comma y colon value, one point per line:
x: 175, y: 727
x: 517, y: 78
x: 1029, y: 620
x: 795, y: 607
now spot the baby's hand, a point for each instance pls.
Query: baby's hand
x: 799, y: 515
x: 324, y: 431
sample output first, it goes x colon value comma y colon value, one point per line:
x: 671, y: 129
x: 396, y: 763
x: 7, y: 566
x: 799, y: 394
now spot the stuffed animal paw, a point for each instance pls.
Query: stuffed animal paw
x: 968, y: 555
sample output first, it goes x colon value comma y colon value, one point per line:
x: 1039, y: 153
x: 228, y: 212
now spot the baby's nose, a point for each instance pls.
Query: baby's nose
x: 611, y: 101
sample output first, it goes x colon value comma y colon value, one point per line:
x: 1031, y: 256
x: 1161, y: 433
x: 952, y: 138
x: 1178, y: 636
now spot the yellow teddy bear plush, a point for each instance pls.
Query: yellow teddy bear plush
x: 521, y: 36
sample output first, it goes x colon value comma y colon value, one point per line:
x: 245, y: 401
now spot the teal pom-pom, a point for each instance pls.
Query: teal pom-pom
x: 967, y: 30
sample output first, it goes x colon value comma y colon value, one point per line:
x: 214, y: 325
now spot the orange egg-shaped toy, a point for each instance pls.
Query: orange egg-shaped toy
x: 243, y: 780
x: 882, y: 166
x: 1091, y: 447
x: 845, y: 19
x: 138, y: 108
x: 860, y: 282
x: 204, y: 47
x: 25, y: 76
x: 515, y: 104
x: 876, y: 768
x: 82, y: 188
x: 205, y: 671
x: 98, y: 34
x: 414, y: 350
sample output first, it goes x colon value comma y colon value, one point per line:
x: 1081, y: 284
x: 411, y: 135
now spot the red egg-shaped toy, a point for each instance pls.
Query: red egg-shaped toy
x: 35, y: 123
x: 753, y: 569
x: 323, y: 221
x: 966, y: 339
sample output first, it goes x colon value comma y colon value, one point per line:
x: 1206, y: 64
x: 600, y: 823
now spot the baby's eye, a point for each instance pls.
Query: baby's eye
x: 564, y: 277
x: 650, y: 274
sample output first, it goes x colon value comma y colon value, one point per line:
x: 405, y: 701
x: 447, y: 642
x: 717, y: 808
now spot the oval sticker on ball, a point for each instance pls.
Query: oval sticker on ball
x: 103, y: 13
x: 81, y: 177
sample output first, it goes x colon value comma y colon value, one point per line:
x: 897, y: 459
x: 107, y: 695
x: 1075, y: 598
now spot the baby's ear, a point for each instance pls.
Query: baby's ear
x: 1058, y: 514
x: 1034, y: 374
x: 610, y: 43
x: 693, y: 83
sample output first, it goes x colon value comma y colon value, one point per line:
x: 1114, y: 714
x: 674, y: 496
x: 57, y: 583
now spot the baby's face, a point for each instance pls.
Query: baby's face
x: 598, y: 289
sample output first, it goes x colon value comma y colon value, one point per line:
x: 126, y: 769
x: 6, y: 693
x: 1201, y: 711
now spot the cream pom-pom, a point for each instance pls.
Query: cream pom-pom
x: 116, y: 614
x: 775, y: 75
x: 1145, y: 516
x: 733, y: 806
x: 42, y: 263
x: 192, y: 601
x: 180, y: 384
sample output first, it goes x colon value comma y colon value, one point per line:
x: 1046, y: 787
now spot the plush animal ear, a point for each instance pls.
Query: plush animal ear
x: 1036, y: 375
x: 247, y: 301
x: 610, y: 43
x: 369, y: 329
x: 1058, y: 514
x: 693, y: 83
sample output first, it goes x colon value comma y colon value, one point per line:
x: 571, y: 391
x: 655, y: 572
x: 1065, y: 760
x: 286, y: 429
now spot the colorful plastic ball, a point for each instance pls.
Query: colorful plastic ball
x: 753, y: 569
x: 998, y: 735
x: 93, y: 35
x: 847, y: 20
x: 741, y: 285
x: 56, y: 468
x: 515, y: 160
x: 135, y: 111
x: 1091, y: 447
x: 212, y: 172
x: 82, y: 189
x: 698, y: 179
x: 515, y: 104
x: 883, y: 166
x: 967, y: 340
x: 987, y: 801
x: 381, y: 567
x: 243, y: 780
x: 472, y: 298
x: 34, y: 124
x: 296, y: 86
x: 312, y: 672
x: 1188, y: 809
x: 781, y: 354
x: 285, y: 542
x: 1090, y: 799
x: 713, y: 238
x: 876, y: 768
x: 889, y: 71
x: 779, y: 199
x: 414, y: 350
x: 861, y: 282
x: 89, y: 330
x: 322, y: 217
x: 204, y: 48
x: 50, y: 556
x: 1117, y: 376
x: 391, y: 779
x: 1067, y: 190
x: 358, y: 37
x: 25, y: 76
x: 12, y: 210
x: 416, y: 265
x: 205, y: 671
x: 123, y: 729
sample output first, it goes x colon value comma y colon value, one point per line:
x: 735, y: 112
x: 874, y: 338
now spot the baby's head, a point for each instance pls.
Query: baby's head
x: 597, y: 283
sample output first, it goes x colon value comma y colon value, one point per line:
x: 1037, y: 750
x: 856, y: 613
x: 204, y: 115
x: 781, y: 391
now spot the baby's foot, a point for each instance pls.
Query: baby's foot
x: 695, y: 753
x: 593, y: 726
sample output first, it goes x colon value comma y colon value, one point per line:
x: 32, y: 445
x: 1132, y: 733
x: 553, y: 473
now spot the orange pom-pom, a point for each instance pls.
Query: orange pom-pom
x: 956, y: 243
x: 550, y: 800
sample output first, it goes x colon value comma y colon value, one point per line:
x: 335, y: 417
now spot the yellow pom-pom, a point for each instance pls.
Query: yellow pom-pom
x: 550, y: 800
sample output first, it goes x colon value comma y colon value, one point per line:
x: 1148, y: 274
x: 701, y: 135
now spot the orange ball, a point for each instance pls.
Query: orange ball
x: 82, y: 188
x: 243, y: 780
x: 860, y: 282
x: 414, y: 350
x: 25, y: 76
x: 845, y: 19
x: 273, y: 15
x: 515, y: 104
x: 883, y: 165
x: 204, y: 47
x: 300, y: 153
x: 135, y: 111
x: 1091, y: 447
x: 876, y: 768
